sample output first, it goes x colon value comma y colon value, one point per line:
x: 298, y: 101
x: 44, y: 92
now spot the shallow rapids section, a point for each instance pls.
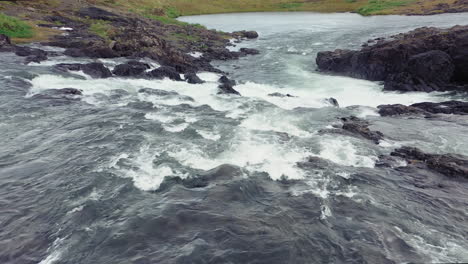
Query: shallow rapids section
x: 83, y: 179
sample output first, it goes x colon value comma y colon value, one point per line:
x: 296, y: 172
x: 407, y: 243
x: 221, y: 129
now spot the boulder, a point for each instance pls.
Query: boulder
x: 131, y: 69
x: 226, y: 86
x: 164, y: 72
x: 246, y: 34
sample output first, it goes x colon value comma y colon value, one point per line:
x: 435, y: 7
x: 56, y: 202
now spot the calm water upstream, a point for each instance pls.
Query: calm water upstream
x: 82, y: 181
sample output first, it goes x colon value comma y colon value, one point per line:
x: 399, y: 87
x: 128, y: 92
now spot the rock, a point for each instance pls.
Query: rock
x: 163, y: 72
x: 247, y: 51
x: 447, y: 164
x: 281, y: 95
x: 226, y: 86
x: 449, y: 107
x: 95, y: 70
x: 361, y: 127
x: 97, y: 13
x: 333, y: 102
x: 193, y: 78
x: 426, y: 108
x: 4, y: 40
x: 32, y: 55
x: 425, y: 59
x: 398, y: 109
x: 131, y: 68
x: 246, y: 34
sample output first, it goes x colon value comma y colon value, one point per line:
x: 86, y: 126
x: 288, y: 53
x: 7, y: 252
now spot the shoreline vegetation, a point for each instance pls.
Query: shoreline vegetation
x: 18, y: 19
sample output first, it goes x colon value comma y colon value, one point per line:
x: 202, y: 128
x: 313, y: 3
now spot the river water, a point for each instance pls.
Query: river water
x: 82, y: 180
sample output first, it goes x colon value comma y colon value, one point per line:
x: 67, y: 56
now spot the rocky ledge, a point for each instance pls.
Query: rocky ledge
x: 425, y: 59
x: 426, y: 108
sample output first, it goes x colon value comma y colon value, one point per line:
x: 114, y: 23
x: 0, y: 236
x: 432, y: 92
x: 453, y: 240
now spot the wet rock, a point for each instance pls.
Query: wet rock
x: 360, y: 127
x: 131, y: 68
x: 157, y: 92
x: 425, y: 59
x: 164, y: 72
x: 193, y: 78
x: 426, y: 108
x: 449, y: 107
x: 95, y: 69
x: 333, y: 102
x: 32, y: 55
x: 226, y: 86
x: 246, y: 34
x: 446, y: 164
x: 399, y: 109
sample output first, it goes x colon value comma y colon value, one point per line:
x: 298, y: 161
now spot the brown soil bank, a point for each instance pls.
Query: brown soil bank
x: 426, y: 59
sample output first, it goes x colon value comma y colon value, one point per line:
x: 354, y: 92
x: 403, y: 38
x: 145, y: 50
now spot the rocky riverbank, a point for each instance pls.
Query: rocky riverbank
x: 426, y: 59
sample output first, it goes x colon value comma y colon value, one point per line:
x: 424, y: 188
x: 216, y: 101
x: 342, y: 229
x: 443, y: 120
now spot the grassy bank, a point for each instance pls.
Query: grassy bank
x: 174, y: 8
x: 14, y: 27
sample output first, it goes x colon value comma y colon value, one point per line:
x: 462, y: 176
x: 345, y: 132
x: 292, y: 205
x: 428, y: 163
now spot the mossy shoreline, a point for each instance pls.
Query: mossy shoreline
x: 18, y: 18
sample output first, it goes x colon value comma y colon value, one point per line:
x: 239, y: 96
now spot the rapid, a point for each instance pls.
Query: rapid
x: 159, y: 171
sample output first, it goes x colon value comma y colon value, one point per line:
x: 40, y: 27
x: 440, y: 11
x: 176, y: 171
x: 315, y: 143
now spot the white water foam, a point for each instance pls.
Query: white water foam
x: 343, y: 152
x: 147, y: 176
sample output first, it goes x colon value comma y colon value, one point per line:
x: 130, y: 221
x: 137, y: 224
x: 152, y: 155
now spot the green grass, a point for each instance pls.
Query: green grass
x: 15, y: 28
x: 101, y: 28
x: 377, y: 6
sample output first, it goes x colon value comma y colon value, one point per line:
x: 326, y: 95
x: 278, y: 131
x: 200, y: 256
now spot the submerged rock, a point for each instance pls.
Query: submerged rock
x: 425, y: 59
x: 64, y: 93
x: 280, y: 95
x: 447, y: 164
x: 95, y: 69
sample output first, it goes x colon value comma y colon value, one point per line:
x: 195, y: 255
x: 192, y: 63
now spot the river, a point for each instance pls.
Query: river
x: 83, y: 180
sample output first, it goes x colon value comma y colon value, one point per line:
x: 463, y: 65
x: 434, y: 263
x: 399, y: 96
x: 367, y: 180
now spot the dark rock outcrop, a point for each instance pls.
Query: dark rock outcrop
x: 193, y: 78
x: 447, y: 164
x: 246, y: 34
x: 131, y: 69
x: 426, y: 59
x: 426, y: 108
x: 333, y: 102
x: 226, y: 86
x: 164, y: 72
x: 95, y: 69
x: 360, y: 127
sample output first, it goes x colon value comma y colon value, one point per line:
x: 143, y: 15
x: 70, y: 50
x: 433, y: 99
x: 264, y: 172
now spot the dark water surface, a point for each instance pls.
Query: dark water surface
x: 82, y: 179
